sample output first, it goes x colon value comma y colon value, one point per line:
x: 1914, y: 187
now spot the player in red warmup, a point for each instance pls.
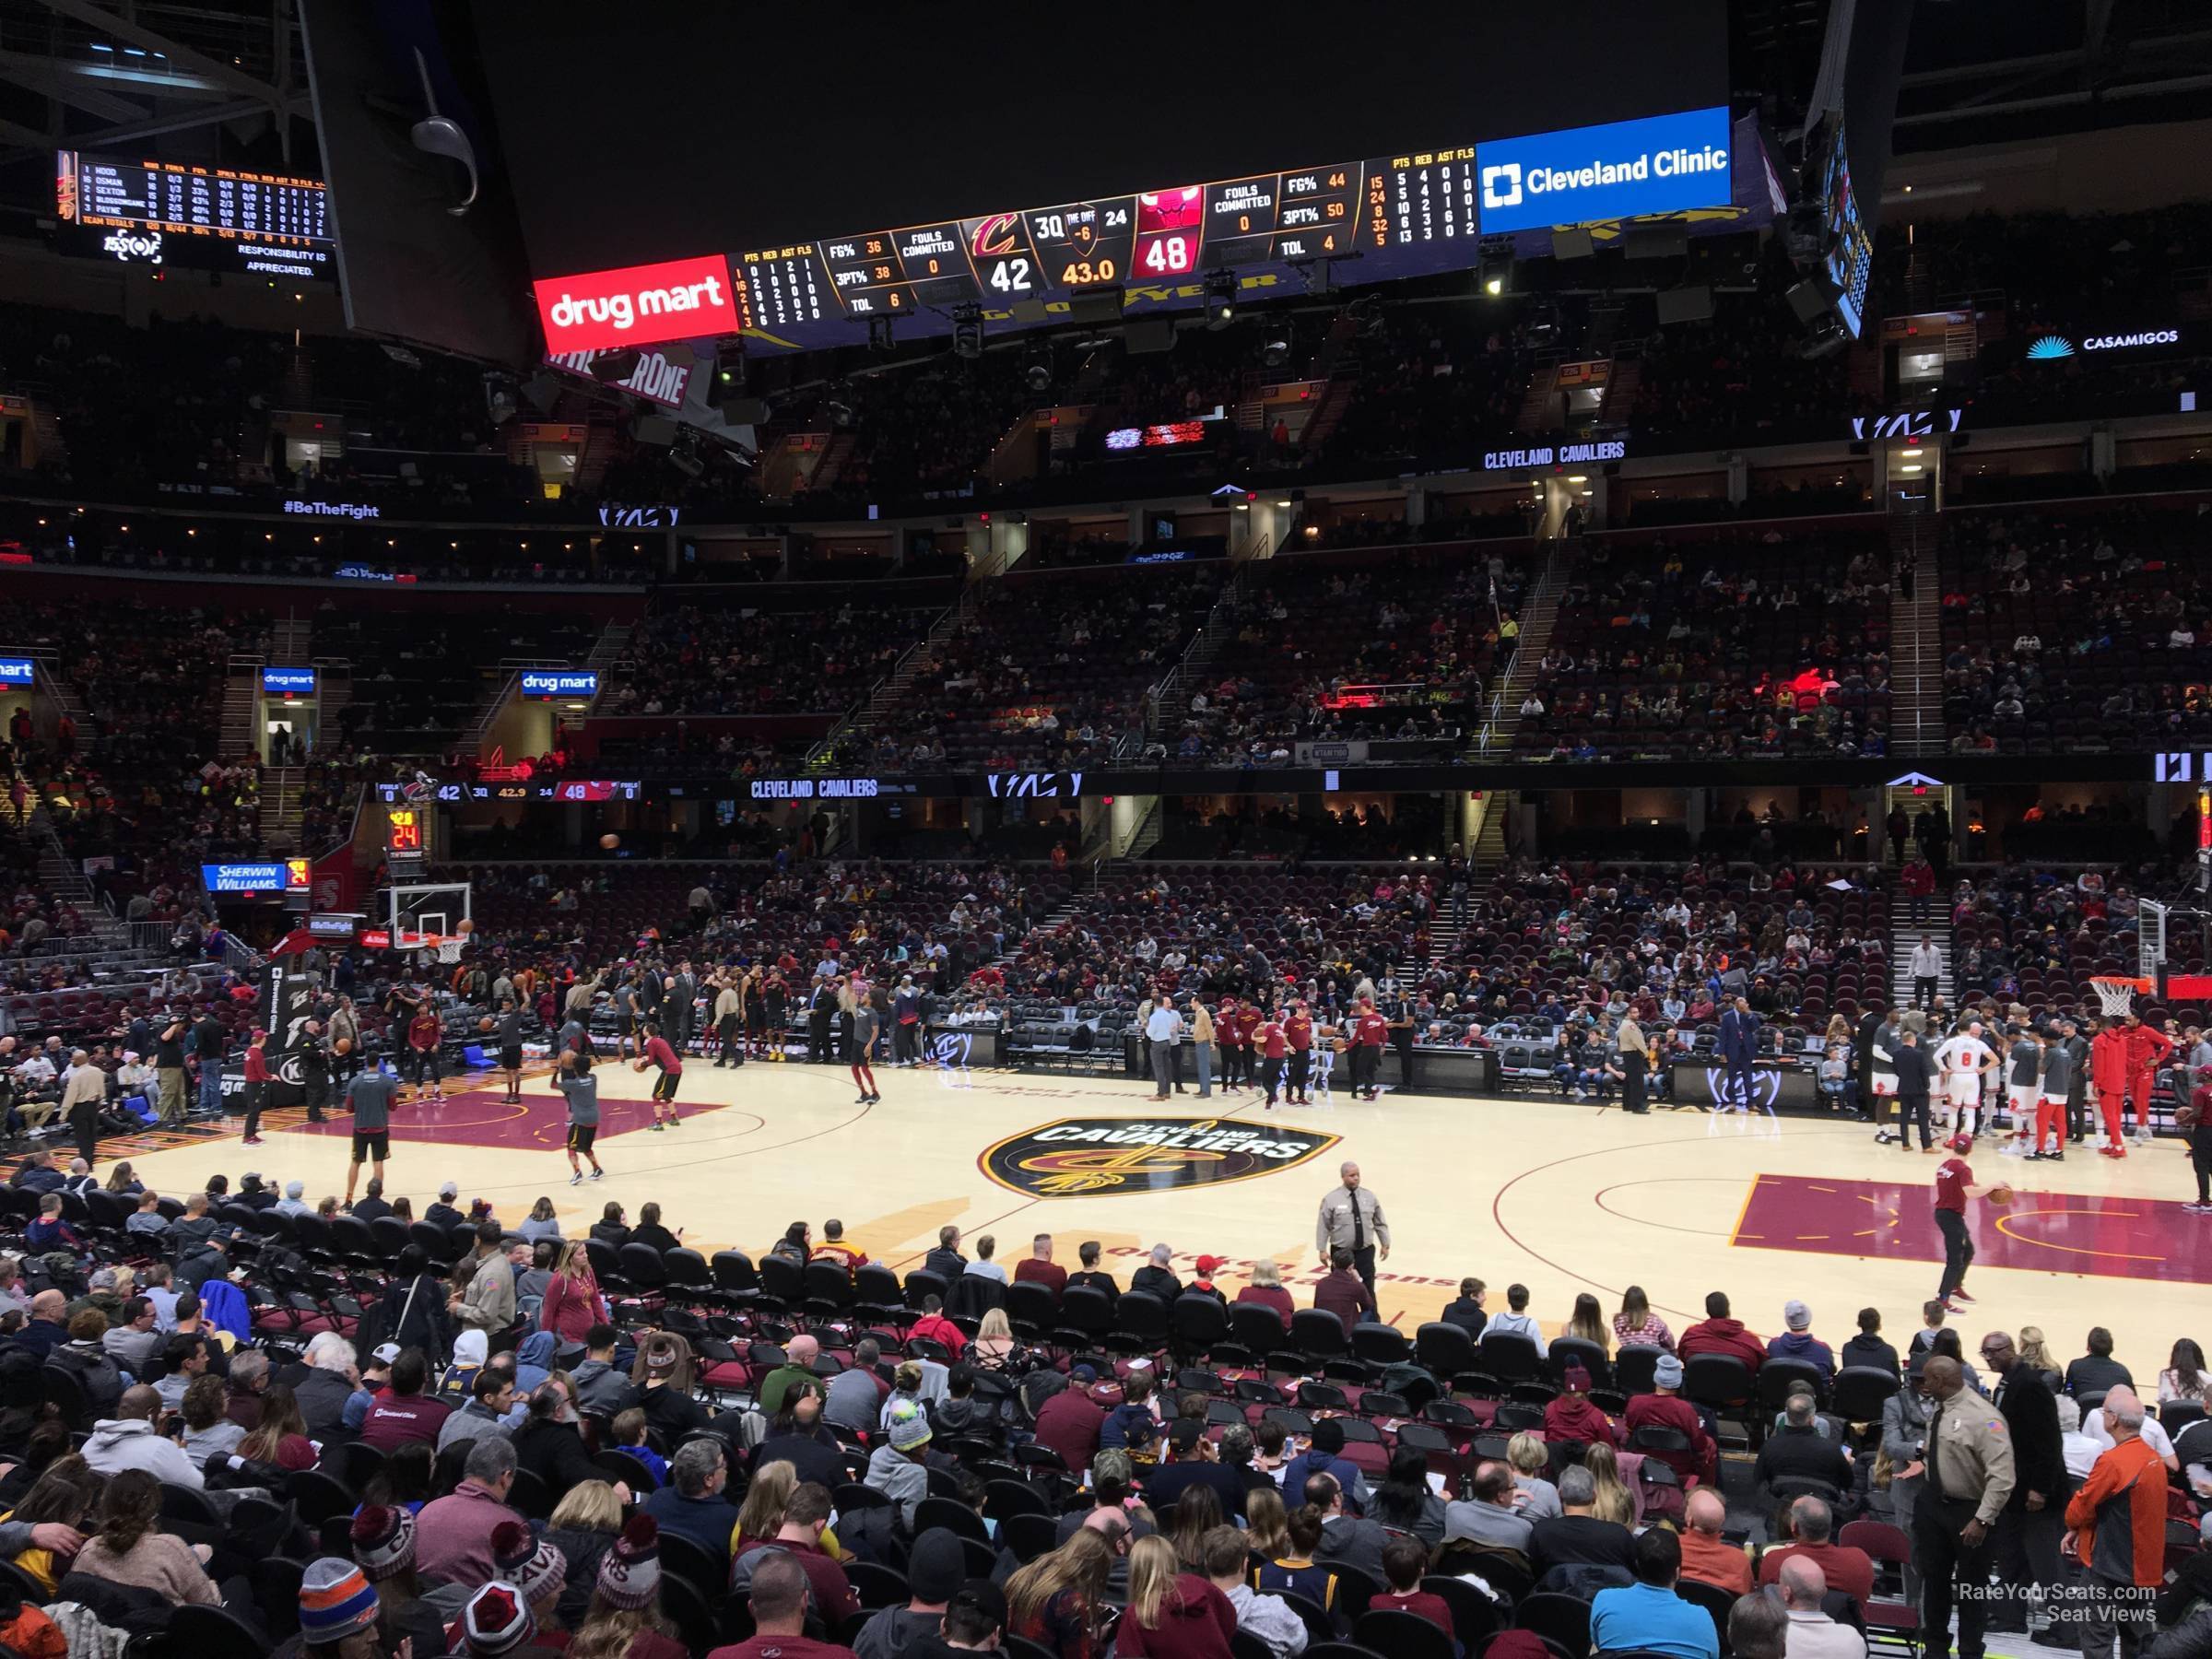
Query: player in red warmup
x: 1225, y: 1032
x: 1370, y: 1032
x: 658, y: 1053
x: 2108, y: 1071
x: 2146, y: 1051
x: 1953, y: 1185
x: 1245, y: 1023
x: 1272, y: 1046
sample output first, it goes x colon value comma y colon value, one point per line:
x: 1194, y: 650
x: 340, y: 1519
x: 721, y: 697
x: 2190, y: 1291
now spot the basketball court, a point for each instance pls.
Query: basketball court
x: 1560, y: 1196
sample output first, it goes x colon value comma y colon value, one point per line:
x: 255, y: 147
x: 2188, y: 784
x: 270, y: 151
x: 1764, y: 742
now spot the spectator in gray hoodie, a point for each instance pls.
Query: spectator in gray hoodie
x: 896, y: 1468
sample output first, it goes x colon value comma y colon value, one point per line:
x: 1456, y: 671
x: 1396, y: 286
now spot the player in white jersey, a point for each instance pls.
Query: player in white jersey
x: 1326, y: 1035
x: 1964, y: 1062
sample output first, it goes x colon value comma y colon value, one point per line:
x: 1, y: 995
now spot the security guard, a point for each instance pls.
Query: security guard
x: 1401, y: 1030
x: 1635, y: 1064
x: 1969, y: 1477
x: 1351, y: 1218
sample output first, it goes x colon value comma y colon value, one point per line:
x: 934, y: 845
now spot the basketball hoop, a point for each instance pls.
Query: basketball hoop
x: 2117, y: 993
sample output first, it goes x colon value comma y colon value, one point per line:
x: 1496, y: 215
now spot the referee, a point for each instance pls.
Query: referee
x: 1351, y: 1218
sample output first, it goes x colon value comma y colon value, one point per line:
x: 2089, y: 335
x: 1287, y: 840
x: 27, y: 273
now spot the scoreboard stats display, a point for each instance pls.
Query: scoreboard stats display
x: 404, y: 849
x: 144, y: 212
x: 1395, y: 217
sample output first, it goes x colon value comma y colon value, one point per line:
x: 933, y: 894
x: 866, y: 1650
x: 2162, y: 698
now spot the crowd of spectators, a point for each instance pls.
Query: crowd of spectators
x: 693, y: 659
x: 1395, y: 654
x: 237, y: 1416
x: 1765, y: 644
x: 2073, y: 632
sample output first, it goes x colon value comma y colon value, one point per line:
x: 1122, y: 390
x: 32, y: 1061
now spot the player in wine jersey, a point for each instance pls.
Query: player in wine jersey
x: 1964, y: 1061
x: 1272, y: 1046
x: 1953, y: 1185
x: 1370, y: 1032
x: 658, y: 1053
x: 1298, y: 1033
x: 1225, y: 1039
x: 1244, y: 1021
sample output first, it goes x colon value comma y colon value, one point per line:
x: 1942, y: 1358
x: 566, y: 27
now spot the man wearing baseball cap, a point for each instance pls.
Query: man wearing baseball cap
x: 1193, y: 1462
x: 1664, y: 1408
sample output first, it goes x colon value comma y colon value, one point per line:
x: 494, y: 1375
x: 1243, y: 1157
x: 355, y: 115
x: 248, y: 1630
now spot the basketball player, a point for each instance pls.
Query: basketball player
x: 2199, y: 1125
x: 2108, y: 1070
x: 2062, y: 1077
x: 368, y: 1097
x: 626, y: 1016
x: 581, y: 1089
x: 510, y: 1034
x: 1298, y: 1033
x: 1953, y: 1185
x: 257, y: 1085
x: 425, y: 1034
x: 860, y: 1035
x: 775, y: 1012
x: 1325, y: 1055
x: 1269, y: 1041
x: 2146, y: 1049
x: 1369, y: 1031
x: 2023, y: 1091
x: 658, y: 1053
x: 1964, y: 1061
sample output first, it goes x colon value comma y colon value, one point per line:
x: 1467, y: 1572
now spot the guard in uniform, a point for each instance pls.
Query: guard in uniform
x: 1969, y: 1477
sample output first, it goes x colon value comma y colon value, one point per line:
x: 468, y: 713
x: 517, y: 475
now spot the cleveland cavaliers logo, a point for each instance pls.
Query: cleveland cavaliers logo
x: 1081, y: 1156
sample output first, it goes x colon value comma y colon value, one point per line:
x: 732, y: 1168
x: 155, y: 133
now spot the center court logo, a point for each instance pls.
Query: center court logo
x: 1502, y: 185
x: 1094, y: 1156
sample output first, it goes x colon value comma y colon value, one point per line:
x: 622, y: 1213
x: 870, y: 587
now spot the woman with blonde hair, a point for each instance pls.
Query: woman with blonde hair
x: 1636, y: 1325
x: 625, y: 1620
x: 586, y: 1524
x: 993, y: 1345
x: 1588, y: 1322
x: 1613, y: 1501
x: 1170, y: 1611
x: 1530, y: 1460
x: 2035, y: 1352
x: 573, y: 1303
x: 1266, y: 1523
x: 761, y: 1514
x: 1267, y: 1288
x: 1055, y: 1601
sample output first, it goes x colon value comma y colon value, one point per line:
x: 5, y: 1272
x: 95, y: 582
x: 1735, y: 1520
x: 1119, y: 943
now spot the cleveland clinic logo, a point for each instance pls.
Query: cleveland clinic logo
x: 1502, y: 185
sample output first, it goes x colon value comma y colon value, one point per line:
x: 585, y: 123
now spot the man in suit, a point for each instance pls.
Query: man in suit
x: 2026, y: 1537
x: 1347, y: 1540
x: 1739, y: 1047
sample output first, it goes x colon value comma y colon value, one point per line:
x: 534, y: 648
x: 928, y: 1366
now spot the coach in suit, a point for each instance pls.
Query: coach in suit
x: 1739, y: 1047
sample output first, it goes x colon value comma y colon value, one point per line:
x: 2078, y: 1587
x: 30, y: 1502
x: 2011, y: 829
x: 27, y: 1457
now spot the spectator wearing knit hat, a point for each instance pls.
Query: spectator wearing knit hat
x: 625, y: 1616
x: 336, y: 1602
x: 383, y: 1548
x: 1572, y: 1416
x: 533, y: 1566
x: 895, y: 1467
x: 498, y: 1625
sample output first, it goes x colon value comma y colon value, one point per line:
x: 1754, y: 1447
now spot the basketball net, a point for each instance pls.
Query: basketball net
x: 2117, y: 995
x: 432, y: 945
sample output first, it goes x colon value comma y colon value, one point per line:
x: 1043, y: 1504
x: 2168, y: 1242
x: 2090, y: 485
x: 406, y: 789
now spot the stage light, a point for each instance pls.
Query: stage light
x: 1220, y: 298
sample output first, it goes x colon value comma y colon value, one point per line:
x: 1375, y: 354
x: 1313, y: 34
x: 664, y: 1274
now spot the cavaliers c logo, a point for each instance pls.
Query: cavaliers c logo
x: 1080, y: 1157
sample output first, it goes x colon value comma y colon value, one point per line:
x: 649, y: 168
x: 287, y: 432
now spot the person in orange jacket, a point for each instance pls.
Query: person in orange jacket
x: 2146, y: 1049
x: 2118, y: 1518
x: 2109, y: 1062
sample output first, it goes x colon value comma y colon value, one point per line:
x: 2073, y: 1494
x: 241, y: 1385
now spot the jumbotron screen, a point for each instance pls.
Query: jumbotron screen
x: 1409, y: 215
x: 139, y: 211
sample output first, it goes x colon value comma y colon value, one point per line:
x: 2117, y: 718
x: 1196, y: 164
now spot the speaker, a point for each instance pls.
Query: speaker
x: 1658, y: 241
x: 654, y: 429
x: 1808, y: 299
x: 1692, y: 304
x: 1142, y: 336
x: 744, y: 411
x: 1571, y: 243
x: 1095, y: 308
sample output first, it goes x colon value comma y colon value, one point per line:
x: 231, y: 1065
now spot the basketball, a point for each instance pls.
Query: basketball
x: 610, y: 840
x: 465, y: 928
x: 344, y: 1045
x: 637, y: 1066
x: 486, y: 1023
x: 1999, y: 1195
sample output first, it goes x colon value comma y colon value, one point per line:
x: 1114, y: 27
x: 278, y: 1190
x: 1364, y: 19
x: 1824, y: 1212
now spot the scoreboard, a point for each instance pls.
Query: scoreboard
x: 1397, y: 216
x: 145, y: 211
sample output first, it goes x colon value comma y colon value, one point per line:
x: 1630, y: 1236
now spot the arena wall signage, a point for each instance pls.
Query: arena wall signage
x: 636, y: 305
x: 274, y: 875
x: 1093, y: 1156
x: 17, y: 671
x: 617, y: 515
x: 1556, y: 454
x: 1660, y: 164
x: 1907, y: 423
x: 819, y: 789
x: 1035, y: 786
x: 2053, y: 349
x: 560, y: 682
x: 288, y: 682
x: 658, y: 378
x: 347, y: 509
